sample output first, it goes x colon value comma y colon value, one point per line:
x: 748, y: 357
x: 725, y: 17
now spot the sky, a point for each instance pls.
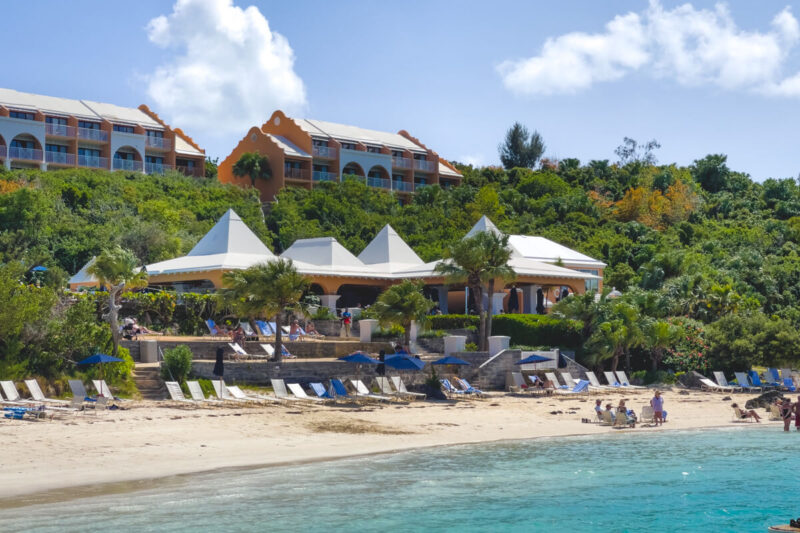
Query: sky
x: 700, y: 77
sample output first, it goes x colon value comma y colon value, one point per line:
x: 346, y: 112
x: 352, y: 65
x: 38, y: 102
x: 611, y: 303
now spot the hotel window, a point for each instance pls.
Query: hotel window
x: 89, y: 152
x: 60, y: 148
x: 56, y: 120
x: 375, y: 174
x: 373, y: 149
x: 123, y: 129
x: 188, y: 163
x: 420, y: 157
x: 88, y: 125
x: 320, y: 168
x: 155, y: 134
x: 591, y: 284
x: 397, y: 177
x: 20, y: 114
x: 17, y: 143
x: 127, y: 156
x: 397, y: 153
x: 154, y: 159
x: 348, y: 146
x: 319, y: 142
x: 292, y: 164
x: 420, y: 181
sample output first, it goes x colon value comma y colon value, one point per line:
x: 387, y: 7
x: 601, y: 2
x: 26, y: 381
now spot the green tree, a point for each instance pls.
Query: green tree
x: 401, y: 305
x: 520, y: 147
x: 116, y: 269
x: 253, y: 165
x: 266, y: 289
x: 659, y: 335
x: 211, y: 167
x: 630, y: 151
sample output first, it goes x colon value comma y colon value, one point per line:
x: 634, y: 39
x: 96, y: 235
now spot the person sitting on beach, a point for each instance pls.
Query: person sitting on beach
x: 657, y: 403
x: 143, y: 330
x: 741, y: 414
x: 294, y: 331
x: 311, y: 330
x: 610, y: 409
x: 630, y: 416
x: 598, y: 408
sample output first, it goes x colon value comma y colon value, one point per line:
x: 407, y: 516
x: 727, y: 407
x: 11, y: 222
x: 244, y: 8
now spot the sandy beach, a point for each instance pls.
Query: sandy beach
x: 150, y: 440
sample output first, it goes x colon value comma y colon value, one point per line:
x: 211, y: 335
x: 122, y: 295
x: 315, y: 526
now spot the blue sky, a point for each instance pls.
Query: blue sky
x: 698, y: 77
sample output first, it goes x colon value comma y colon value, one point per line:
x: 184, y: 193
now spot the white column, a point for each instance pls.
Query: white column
x: 497, y: 344
x: 454, y: 344
x: 497, y: 302
x: 329, y: 301
x: 365, y: 328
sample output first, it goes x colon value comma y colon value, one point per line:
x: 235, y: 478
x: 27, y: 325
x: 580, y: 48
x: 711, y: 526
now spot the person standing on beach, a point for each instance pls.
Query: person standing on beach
x: 797, y: 415
x: 657, y: 403
x: 347, y: 319
x: 787, y: 409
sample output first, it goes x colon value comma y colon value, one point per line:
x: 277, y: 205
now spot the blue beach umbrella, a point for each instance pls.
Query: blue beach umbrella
x: 100, y: 358
x: 403, y: 362
x: 533, y: 359
x: 450, y: 360
x: 360, y: 358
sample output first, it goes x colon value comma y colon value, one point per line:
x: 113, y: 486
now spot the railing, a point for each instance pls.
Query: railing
x: 378, y: 182
x: 420, y: 164
x: 321, y: 175
x: 127, y: 164
x: 59, y: 158
x: 156, y: 168
x: 157, y: 142
x: 29, y: 154
x: 417, y: 186
x: 402, y: 186
x: 2, y: 151
x: 324, y: 151
x: 295, y: 173
x: 92, y: 135
x: 197, y: 172
x: 401, y: 162
x: 59, y: 130
x: 92, y: 161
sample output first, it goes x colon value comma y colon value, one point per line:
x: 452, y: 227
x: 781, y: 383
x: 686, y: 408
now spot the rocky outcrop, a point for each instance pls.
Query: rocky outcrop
x: 764, y: 400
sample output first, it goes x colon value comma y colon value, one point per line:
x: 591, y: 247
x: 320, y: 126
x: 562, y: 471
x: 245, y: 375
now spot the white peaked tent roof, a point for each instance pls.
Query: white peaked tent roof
x: 542, y: 249
x: 484, y: 224
x: 324, y: 255
x: 388, y: 252
x: 83, y: 277
x: 229, y: 245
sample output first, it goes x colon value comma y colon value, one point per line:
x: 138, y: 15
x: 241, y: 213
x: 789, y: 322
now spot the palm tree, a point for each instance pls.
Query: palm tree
x: 477, y: 261
x: 253, y: 165
x: 265, y: 289
x: 401, y: 305
x: 660, y: 335
x: 116, y: 269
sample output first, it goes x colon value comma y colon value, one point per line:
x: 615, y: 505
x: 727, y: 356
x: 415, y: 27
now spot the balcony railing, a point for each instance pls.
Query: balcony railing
x: 28, y: 154
x: 92, y: 135
x: 402, y: 186
x: 59, y: 130
x: 127, y: 164
x: 295, y: 173
x: 156, y: 168
x: 324, y: 151
x: 401, y: 162
x: 92, y: 161
x: 378, y: 182
x: 321, y: 175
x: 59, y: 158
x: 197, y: 172
x: 2, y: 151
x: 157, y: 142
x: 426, y: 166
x: 417, y: 186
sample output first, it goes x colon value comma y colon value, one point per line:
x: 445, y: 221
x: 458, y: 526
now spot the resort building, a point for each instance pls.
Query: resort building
x: 342, y: 280
x: 48, y: 132
x: 304, y: 152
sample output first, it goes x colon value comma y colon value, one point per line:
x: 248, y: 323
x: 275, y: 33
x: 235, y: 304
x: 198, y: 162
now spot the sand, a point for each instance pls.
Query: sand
x: 151, y: 440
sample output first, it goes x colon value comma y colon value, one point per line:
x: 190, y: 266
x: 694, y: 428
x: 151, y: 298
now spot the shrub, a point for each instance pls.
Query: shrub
x: 454, y: 321
x: 470, y: 347
x: 648, y: 377
x: 177, y: 363
x: 432, y: 334
x: 539, y: 330
x: 393, y: 332
x: 323, y: 313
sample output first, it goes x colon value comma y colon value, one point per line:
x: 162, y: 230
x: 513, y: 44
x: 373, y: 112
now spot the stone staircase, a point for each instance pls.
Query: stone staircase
x: 148, y: 381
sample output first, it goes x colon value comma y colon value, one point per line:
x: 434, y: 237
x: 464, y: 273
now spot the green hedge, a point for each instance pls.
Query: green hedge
x: 538, y: 330
x: 454, y: 321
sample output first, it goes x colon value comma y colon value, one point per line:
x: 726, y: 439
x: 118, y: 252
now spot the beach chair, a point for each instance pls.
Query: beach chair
x: 594, y: 383
x: 300, y: 393
x: 518, y: 383
x: 774, y: 412
x: 756, y: 381
x: 269, y: 349
x: 38, y: 395
x: 449, y: 390
x: 786, y: 373
x: 611, y: 379
x: 197, y: 392
x: 264, y: 329
x: 744, y: 383
x: 239, y: 394
x: 12, y: 394
x: 740, y: 416
x: 320, y: 391
x: 788, y: 385
x: 385, y: 387
x: 102, y: 388
x: 363, y: 392
x: 580, y: 387
x: 466, y: 387
x: 238, y: 350
x: 607, y: 418
x: 723, y: 382
x: 339, y: 390
x: 175, y: 392
x: 279, y: 388
x: 569, y: 381
x: 625, y: 382
x: 223, y: 391
x: 622, y: 421
x: 772, y: 377
x: 647, y: 415
x: 707, y: 384
x: 77, y: 388
x: 398, y: 383
x: 249, y: 332
x: 213, y: 329
x: 552, y: 378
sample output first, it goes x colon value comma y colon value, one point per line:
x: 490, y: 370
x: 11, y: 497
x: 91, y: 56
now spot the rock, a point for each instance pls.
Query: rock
x: 764, y: 400
x: 691, y: 380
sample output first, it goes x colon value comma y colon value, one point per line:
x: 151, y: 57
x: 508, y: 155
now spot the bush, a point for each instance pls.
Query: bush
x: 323, y: 313
x: 177, y: 363
x: 454, y: 321
x: 394, y: 332
x: 648, y: 377
x: 539, y: 330
x: 470, y: 347
x: 432, y: 334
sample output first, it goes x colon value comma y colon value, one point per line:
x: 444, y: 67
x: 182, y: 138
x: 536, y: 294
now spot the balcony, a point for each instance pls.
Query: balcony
x: 60, y: 158
x: 127, y: 164
x: 59, y: 130
x: 295, y: 173
x: 425, y: 166
x: 402, y: 186
x: 401, y: 162
x: 197, y: 172
x: 320, y: 175
x: 92, y: 135
x: 378, y: 182
x: 156, y: 168
x: 324, y: 151
x: 92, y: 161
x: 27, y: 154
x: 158, y: 143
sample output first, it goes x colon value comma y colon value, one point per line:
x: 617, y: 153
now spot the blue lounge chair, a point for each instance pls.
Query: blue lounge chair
x: 756, y: 380
x: 788, y: 384
x: 579, y: 388
x: 319, y: 390
x: 264, y: 328
x: 469, y: 389
x: 449, y: 389
x: 339, y: 389
x: 213, y: 329
x: 744, y: 382
x: 773, y: 377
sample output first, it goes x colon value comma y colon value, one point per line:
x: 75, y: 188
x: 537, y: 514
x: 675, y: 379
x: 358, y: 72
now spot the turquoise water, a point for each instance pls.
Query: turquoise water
x: 740, y: 479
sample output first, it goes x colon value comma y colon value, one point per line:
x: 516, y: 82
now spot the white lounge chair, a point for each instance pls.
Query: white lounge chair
x: 12, y: 394
x: 197, y: 392
x: 518, y: 383
x: 569, y: 381
x: 269, y: 349
x: 38, y: 395
x: 595, y: 383
x: 279, y: 388
x: 385, y: 386
x: 625, y: 382
x: 222, y: 391
x: 647, y: 414
x: 300, y: 393
x: 363, y: 392
x: 707, y: 384
x: 175, y: 392
x: 102, y: 388
x: 612, y: 379
x: 723, y: 382
x: 77, y: 388
x: 552, y: 378
x: 744, y: 382
x: 401, y: 387
x: 239, y: 394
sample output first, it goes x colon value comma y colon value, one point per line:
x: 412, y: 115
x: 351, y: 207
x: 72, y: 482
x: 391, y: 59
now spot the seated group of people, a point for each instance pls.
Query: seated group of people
x: 620, y: 416
x: 132, y: 329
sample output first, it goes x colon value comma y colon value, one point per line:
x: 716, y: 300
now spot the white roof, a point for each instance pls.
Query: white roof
x: 520, y: 265
x: 326, y: 254
x: 541, y: 249
x: 83, y: 277
x: 444, y: 170
x: 484, y: 224
x: 117, y: 113
x: 389, y: 252
x: 345, y: 132
x: 182, y: 147
x: 288, y: 147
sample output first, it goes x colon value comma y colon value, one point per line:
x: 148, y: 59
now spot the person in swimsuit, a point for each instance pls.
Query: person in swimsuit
x: 741, y: 413
x: 787, y: 413
x: 797, y: 414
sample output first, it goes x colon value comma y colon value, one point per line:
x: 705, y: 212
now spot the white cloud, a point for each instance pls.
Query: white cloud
x: 231, y: 70
x: 476, y: 160
x: 692, y: 46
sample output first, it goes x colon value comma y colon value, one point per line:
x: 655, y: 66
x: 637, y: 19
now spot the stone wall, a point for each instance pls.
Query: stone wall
x: 495, y: 373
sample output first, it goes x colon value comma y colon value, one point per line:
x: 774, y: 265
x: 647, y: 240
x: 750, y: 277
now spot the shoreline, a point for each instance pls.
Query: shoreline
x: 353, y: 433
